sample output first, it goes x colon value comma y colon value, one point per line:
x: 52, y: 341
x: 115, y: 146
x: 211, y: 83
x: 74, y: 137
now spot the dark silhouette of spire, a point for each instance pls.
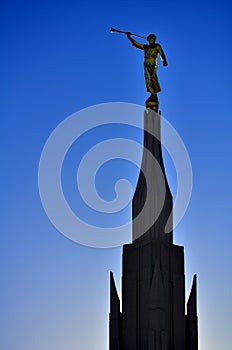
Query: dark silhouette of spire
x: 153, y: 281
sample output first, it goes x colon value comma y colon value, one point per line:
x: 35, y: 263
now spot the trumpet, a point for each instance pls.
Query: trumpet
x: 113, y: 30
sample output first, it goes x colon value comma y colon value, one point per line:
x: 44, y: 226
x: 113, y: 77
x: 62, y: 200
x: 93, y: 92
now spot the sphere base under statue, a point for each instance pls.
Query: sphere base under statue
x: 152, y: 102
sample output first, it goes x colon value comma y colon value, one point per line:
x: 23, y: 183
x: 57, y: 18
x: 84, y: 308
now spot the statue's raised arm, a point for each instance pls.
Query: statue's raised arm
x: 134, y: 42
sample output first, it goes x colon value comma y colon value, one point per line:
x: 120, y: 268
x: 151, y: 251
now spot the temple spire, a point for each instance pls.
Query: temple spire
x: 152, y: 187
x: 153, y: 279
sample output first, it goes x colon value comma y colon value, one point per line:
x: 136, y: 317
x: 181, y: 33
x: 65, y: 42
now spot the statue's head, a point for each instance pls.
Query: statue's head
x: 151, y: 38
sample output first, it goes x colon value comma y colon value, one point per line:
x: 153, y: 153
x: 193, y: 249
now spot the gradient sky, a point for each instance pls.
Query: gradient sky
x: 58, y: 57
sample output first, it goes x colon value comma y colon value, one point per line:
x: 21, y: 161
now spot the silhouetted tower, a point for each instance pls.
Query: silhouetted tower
x: 153, y: 281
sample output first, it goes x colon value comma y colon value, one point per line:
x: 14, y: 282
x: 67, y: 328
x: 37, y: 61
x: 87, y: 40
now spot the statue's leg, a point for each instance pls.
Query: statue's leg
x: 155, y: 83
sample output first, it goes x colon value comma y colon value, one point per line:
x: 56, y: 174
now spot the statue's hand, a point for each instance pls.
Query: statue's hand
x: 165, y: 63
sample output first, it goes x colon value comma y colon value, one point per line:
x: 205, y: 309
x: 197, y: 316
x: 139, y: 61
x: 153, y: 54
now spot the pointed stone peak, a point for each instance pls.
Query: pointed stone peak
x: 114, y: 299
x: 192, y: 301
x: 152, y: 202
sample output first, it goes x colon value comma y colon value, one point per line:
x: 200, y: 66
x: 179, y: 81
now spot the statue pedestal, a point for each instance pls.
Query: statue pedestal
x: 152, y: 102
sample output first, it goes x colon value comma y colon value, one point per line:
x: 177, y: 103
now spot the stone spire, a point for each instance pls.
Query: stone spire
x: 152, y: 187
x: 153, y: 281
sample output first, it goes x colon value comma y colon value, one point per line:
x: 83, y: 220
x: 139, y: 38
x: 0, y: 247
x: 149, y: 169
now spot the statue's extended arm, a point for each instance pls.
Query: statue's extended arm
x: 162, y: 56
x: 134, y: 42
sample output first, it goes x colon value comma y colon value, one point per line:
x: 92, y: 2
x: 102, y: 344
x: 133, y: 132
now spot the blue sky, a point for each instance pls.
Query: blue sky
x: 59, y: 57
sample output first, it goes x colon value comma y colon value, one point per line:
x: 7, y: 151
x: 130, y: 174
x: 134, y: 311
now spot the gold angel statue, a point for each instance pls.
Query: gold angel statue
x: 151, y: 52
